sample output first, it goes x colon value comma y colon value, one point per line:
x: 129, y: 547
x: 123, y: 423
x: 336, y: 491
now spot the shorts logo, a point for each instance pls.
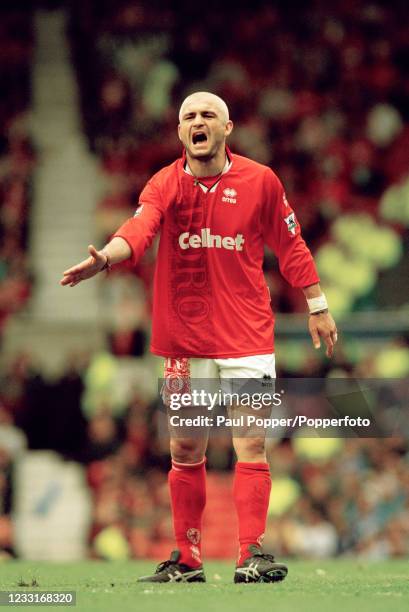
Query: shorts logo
x: 174, y: 383
x: 193, y: 535
x: 291, y: 223
x: 267, y: 381
x: 177, y: 378
x: 229, y: 195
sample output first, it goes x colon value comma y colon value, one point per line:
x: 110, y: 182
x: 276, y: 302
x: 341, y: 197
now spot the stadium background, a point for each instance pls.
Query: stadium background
x: 90, y: 93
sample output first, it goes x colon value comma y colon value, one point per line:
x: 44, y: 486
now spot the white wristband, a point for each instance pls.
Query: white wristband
x: 317, y: 303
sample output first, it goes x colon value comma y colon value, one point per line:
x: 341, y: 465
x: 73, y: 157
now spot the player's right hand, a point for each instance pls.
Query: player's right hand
x: 86, y: 269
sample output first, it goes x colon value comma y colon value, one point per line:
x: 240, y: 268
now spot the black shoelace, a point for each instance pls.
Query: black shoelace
x: 265, y: 556
x: 164, y: 565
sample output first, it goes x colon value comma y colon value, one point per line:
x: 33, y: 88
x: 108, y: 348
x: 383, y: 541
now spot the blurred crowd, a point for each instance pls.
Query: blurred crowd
x: 330, y: 496
x: 351, y: 500
x: 317, y: 91
x: 17, y: 160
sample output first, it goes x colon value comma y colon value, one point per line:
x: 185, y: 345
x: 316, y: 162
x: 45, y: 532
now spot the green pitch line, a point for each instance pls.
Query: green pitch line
x: 330, y: 586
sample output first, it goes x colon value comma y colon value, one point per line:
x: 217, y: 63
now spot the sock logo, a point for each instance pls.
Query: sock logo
x: 193, y: 535
x: 195, y: 554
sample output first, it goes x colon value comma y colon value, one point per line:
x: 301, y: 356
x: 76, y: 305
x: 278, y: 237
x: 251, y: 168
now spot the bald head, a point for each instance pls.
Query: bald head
x: 205, y: 97
x: 204, y: 125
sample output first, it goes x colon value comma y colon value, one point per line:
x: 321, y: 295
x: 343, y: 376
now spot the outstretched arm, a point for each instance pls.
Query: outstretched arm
x: 115, y: 251
x: 129, y: 242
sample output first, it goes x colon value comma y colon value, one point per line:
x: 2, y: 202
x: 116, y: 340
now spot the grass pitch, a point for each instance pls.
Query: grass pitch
x: 330, y: 586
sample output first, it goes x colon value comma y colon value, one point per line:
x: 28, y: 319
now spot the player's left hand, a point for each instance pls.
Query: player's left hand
x: 323, y: 326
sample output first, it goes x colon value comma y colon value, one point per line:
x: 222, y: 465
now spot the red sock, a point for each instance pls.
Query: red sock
x: 187, y: 483
x: 251, y: 492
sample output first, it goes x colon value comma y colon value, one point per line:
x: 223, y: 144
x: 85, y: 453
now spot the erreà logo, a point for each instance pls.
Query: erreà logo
x: 138, y: 211
x: 229, y: 195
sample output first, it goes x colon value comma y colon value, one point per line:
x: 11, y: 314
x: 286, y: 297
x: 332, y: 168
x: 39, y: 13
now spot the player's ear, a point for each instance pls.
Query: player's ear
x: 229, y: 127
x: 180, y: 138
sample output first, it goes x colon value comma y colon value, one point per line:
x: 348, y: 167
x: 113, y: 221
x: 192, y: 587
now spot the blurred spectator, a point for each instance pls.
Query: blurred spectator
x: 12, y: 444
x: 17, y: 159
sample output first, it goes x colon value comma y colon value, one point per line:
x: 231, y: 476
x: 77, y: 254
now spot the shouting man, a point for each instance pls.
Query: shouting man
x: 211, y: 313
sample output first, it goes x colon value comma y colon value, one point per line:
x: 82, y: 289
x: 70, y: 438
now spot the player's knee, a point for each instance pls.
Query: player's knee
x: 249, y: 449
x: 186, y: 451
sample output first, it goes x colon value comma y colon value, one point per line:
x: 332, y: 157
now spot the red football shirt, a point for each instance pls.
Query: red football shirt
x: 210, y: 295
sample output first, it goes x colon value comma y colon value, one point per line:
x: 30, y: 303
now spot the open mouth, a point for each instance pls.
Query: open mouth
x: 199, y: 137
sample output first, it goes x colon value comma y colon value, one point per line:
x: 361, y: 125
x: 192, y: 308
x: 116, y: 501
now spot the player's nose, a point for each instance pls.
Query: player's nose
x: 198, y: 121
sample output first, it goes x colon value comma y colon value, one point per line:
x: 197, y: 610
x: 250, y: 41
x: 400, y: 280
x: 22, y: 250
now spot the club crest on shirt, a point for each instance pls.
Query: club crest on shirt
x: 291, y: 223
x: 138, y: 211
x: 229, y: 195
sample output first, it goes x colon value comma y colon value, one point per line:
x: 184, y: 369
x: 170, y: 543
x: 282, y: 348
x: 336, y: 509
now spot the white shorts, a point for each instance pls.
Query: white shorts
x: 183, y: 375
x: 255, y: 366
